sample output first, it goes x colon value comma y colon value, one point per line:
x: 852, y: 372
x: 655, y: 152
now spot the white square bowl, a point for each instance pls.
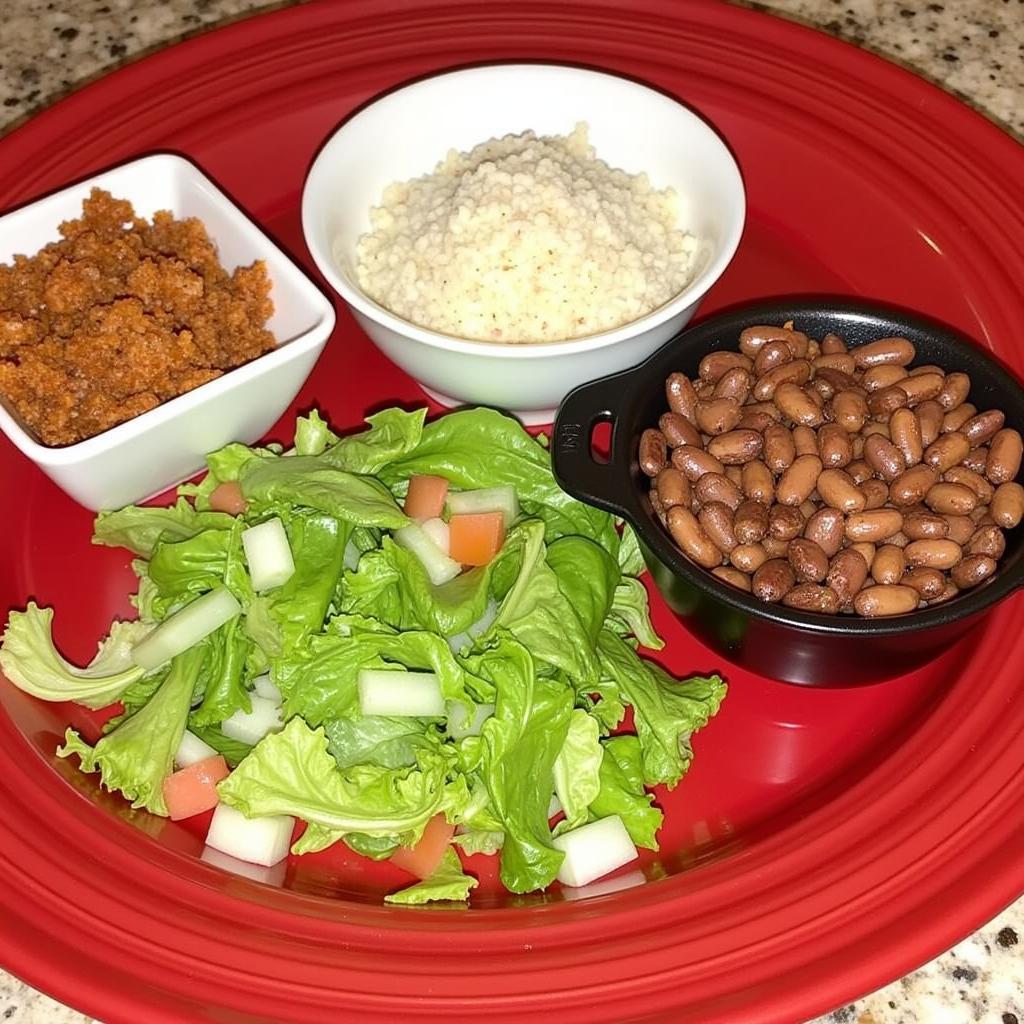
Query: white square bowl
x: 143, y: 456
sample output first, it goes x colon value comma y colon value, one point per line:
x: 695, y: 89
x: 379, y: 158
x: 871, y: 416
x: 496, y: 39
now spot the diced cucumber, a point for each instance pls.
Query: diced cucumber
x: 437, y: 530
x: 399, y: 694
x: 256, y: 840
x: 440, y: 568
x: 593, y: 850
x: 192, y: 749
x: 269, y: 555
x: 266, y: 689
x: 478, y: 628
x: 461, y: 723
x: 251, y: 726
x: 185, y: 628
x: 488, y: 499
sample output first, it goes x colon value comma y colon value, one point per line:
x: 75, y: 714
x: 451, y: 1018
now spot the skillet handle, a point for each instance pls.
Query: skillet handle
x: 604, y: 484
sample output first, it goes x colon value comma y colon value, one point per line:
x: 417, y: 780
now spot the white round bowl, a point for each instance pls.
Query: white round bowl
x: 407, y: 132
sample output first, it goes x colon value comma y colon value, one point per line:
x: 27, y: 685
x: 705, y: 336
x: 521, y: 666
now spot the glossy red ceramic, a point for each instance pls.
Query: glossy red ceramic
x: 825, y: 842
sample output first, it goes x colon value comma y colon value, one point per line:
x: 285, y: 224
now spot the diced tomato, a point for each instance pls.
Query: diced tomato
x: 227, y: 497
x: 423, y: 859
x: 426, y: 497
x: 475, y: 539
x: 193, y: 790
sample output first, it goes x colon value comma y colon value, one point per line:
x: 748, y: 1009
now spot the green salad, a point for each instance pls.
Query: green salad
x: 483, y: 713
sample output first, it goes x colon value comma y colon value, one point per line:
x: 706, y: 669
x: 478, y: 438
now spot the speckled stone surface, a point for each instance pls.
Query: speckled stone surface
x: 973, y: 48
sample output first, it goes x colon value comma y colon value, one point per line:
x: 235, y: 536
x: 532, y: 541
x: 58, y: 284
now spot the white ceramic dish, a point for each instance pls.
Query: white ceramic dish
x: 143, y: 456
x: 407, y: 132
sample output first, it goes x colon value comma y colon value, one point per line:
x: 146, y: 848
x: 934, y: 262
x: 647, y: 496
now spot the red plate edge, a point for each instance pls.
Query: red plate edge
x: 996, y: 843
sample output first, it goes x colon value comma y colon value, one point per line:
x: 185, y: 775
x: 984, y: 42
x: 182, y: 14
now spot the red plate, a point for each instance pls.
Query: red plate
x: 824, y: 842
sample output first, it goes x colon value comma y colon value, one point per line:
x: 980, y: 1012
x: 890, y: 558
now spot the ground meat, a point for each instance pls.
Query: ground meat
x: 120, y: 316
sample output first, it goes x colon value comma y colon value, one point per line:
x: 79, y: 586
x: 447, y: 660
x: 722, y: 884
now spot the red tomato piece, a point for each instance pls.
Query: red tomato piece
x: 423, y: 859
x: 193, y: 790
x: 476, y: 538
x: 426, y: 497
x: 227, y: 497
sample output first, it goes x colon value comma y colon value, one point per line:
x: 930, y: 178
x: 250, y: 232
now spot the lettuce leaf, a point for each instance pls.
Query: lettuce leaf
x: 666, y: 711
x: 310, y: 482
x: 313, y: 435
x: 29, y: 660
x: 391, y: 584
x: 476, y: 448
x: 224, y: 465
x: 138, y: 755
x: 448, y: 882
x: 520, y: 744
x: 299, y: 607
x: 292, y: 772
x: 318, y: 679
x: 630, y: 613
x: 393, y: 434
x: 577, y: 768
x: 622, y: 791
x: 138, y: 528
x: 556, y: 624
x: 385, y: 742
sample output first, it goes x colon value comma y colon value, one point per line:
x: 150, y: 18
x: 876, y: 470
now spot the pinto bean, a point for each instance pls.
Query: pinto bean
x: 688, y: 533
x: 974, y: 569
x: 735, y: 578
x: 1004, y: 456
x: 826, y: 529
x: 888, y: 564
x: 694, y: 462
x: 774, y: 353
x: 748, y: 557
x: 835, y: 448
x: 716, y: 365
x: 810, y: 597
x: 717, y: 487
x: 678, y: 430
x: 797, y: 482
x: 796, y: 372
x: 878, y: 524
x: 884, y: 457
x: 847, y: 573
x: 1008, y: 505
x: 876, y: 601
x: 681, y: 396
x: 652, y: 455
x: 884, y: 351
x: 757, y: 482
x: 982, y: 428
x: 751, y: 522
x: 718, y: 416
x: 933, y: 554
x: 736, y: 447
x: 954, y: 391
x: 905, y: 432
x: 930, y: 415
x: 838, y: 491
x: 717, y: 520
x: 773, y: 580
x: 929, y: 583
x: 951, y: 499
x: 673, y: 488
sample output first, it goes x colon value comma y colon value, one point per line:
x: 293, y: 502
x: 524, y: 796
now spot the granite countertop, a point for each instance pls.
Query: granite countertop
x: 973, y: 48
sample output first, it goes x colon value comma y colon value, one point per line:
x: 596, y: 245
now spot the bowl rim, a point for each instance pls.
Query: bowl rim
x: 623, y: 391
x: 285, y: 350
x: 361, y: 303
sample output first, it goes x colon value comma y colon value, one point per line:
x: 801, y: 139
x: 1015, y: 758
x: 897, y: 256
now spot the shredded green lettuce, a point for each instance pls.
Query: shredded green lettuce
x: 547, y: 634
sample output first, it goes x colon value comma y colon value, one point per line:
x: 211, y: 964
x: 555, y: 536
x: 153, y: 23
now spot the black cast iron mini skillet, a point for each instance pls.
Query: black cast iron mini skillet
x: 807, y: 648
